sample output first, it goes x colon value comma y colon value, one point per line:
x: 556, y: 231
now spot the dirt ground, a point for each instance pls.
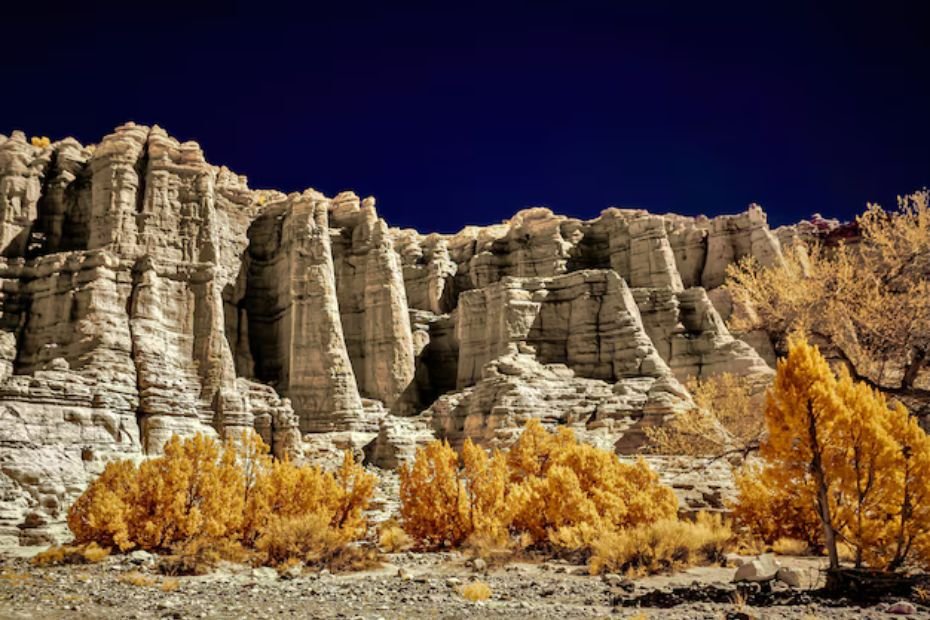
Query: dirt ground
x: 405, y: 586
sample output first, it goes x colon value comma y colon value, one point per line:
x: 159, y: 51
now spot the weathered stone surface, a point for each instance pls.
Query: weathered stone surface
x: 113, y: 333
x: 372, y: 300
x: 146, y: 293
x: 294, y: 333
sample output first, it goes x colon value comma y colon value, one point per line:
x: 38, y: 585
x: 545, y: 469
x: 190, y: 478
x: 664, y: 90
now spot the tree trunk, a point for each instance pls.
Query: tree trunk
x: 823, y: 501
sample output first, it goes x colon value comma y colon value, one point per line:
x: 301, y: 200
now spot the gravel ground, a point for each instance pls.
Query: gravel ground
x: 406, y: 586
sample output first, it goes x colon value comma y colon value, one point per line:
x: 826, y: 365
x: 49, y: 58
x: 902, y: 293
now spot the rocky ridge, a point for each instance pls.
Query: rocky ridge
x: 146, y: 292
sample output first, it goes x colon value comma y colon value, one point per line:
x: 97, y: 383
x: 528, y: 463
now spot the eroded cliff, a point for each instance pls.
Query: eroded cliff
x: 146, y: 292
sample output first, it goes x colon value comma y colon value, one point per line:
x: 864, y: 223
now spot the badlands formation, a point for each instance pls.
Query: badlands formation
x: 146, y: 292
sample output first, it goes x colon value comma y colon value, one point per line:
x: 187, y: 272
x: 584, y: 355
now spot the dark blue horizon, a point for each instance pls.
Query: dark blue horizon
x: 453, y: 115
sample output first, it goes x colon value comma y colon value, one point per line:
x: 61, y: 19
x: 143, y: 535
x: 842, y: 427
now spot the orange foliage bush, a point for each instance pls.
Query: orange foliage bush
x: 443, y: 504
x: 548, y: 489
x: 565, y: 493
x: 202, y: 494
x: 759, y: 503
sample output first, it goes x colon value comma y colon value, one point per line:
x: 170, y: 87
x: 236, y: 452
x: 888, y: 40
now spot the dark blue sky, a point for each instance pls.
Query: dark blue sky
x: 455, y: 113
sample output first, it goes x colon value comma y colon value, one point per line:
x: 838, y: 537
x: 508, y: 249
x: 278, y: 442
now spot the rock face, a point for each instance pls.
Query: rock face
x: 147, y: 293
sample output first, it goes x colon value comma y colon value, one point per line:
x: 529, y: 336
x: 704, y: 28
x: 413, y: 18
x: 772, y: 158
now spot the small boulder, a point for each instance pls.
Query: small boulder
x: 902, y: 608
x: 140, y: 557
x: 789, y: 576
x: 479, y: 565
x: 618, y: 581
x: 264, y: 573
x: 760, y: 569
x: 612, y: 579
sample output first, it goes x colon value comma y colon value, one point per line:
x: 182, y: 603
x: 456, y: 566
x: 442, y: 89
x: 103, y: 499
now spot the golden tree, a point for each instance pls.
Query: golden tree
x: 840, y: 452
x: 869, y: 301
x: 910, y: 528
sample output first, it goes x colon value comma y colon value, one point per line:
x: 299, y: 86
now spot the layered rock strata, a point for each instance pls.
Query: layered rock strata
x: 146, y: 293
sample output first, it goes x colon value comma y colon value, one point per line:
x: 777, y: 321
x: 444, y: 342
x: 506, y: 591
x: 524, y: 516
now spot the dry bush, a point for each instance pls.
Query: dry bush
x: 316, y: 511
x: 203, y: 501
x: 549, y: 491
x: 103, y: 513
x: 661, y: 546
x: 565, y: 493
x: 307, y: 539
x: 40, y: 141
x: 727, y: 417
x: 170, y: 584
x: 392, y: 537
x: 769, y: 514
x: 135, y: 578
x: 201, y: 555
x: 194, y: 490
x: 791, y: 546
x: 354, y: 557
x: 90, y: 553
x: 15, y: 578
x: 494, y: 550
x: 870, y: 301
x: 443, y: 503
x: 288, y: 565
x: 476, y: 591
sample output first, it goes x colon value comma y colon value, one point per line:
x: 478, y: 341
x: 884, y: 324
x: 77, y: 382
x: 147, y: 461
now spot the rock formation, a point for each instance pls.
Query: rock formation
x: 147, y: 293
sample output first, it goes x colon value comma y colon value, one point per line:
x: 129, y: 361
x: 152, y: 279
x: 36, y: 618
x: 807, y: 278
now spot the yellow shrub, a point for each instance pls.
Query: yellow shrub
x: 769, y: 515
x: 308, y: 539
x: 195, y: 489
x: 548, y: 489
x: 204, y: 501
x: 40, y: 142
x: 392, y: 537
x: 286, y: 566
x: 659, y: 546
x: 103, y: 513
x: 170, y: 584
x: 566, y: 493
x: 443, y: 504
x: 791, y: 546
x: 90, y: 553
x: 306, y: 513
x: 727, y: 416
x: 135, y: 578
x: 199, y: 556
x: 476, y: 591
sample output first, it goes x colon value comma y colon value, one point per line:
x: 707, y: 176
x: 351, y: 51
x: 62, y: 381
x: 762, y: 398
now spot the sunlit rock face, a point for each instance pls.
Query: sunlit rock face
x: 147, y: 293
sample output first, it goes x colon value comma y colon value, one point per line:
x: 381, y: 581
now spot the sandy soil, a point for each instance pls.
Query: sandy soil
x: 406, y: 586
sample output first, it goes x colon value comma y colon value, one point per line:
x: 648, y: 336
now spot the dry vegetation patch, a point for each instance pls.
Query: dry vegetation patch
x: 204, y: 501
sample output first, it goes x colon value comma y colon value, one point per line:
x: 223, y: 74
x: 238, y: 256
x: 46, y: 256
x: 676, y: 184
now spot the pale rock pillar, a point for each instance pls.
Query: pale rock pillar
x: 389, y: 358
